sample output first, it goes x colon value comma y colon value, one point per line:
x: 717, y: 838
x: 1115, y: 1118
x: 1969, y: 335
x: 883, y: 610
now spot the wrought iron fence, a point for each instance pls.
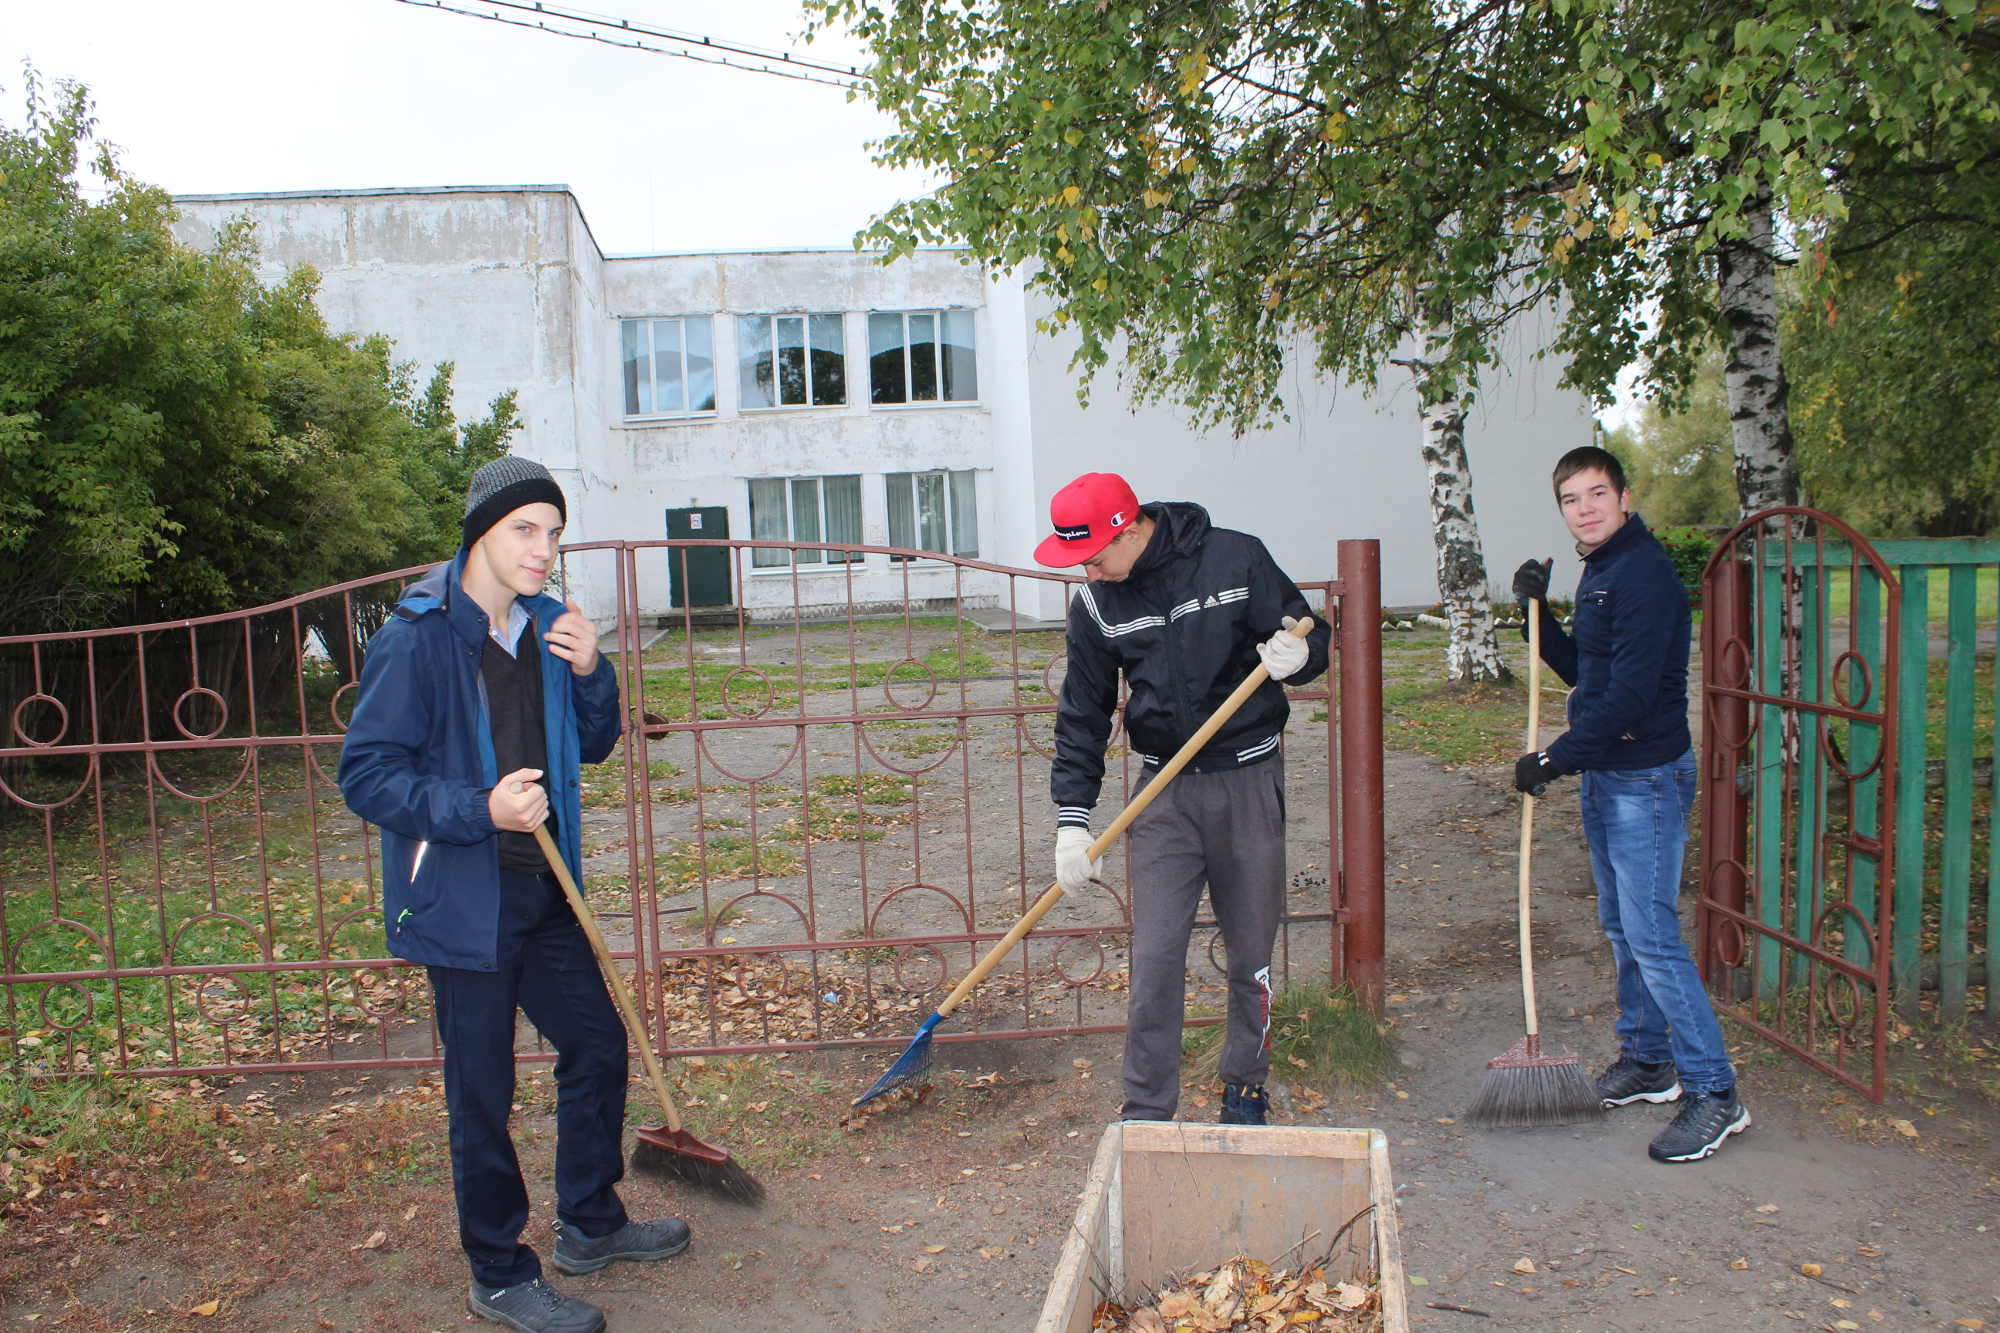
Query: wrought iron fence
x: 819, y: 817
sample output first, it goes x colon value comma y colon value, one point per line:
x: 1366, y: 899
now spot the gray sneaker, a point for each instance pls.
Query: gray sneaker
x: 1628, y: 1081
x: 662, y: 1238
x: 534, y: 1307
x: 1705, y: 1120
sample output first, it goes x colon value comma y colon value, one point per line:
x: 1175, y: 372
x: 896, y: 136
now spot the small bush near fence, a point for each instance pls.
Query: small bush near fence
x: 1689, y: 548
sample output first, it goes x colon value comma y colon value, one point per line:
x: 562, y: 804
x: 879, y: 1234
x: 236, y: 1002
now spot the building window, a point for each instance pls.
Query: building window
x: 922, y: 356
x: 791, y: 360
x: 934, y: 511
x: 669, y: 366
x: 804, y: 509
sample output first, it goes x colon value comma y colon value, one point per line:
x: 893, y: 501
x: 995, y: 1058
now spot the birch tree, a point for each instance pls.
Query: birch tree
x: 1720, y: 139
x: 1210, y: 184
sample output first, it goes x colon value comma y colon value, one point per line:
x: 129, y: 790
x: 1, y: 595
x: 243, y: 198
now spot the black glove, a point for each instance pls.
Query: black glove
x: 1531, y: 580
x: 1532, y: 773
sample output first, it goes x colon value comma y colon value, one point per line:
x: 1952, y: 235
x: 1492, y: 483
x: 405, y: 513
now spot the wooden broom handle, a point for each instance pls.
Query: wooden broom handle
x: 626, y: 1008
x: 1102, y: 844
x: 1528, y: 811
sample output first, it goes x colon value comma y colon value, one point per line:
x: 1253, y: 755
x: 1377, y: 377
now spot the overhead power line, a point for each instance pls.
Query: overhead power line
x: 608, y: 30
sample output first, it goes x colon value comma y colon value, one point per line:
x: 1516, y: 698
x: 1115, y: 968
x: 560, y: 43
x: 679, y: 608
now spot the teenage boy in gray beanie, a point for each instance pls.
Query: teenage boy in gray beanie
x: 479, y: 700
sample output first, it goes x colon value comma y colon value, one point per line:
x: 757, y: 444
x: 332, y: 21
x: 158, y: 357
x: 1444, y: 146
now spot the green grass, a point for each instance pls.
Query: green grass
x: 725, y: 858
x: 604, y: 784
x: 844, y: 808
x: 53, y: 1129
x: 207, y: 892
x: 1319, y: 1033
x: 716, y: 690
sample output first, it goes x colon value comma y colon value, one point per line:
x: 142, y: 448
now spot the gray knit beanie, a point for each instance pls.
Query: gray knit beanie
x: 501, y: 487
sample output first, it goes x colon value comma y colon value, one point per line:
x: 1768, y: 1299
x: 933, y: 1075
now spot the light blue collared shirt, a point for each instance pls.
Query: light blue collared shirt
x: 509, y: 636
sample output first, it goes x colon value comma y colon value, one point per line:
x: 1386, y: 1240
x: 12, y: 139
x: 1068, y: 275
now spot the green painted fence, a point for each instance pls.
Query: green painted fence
x: 1946, y: 916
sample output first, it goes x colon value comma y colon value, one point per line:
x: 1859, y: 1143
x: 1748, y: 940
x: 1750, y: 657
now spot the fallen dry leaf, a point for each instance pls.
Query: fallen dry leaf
x: 374, y: 1242
x: 1811, y: 1269
x: 1524, y: 1265
x: 933, y: 1249
x: 1739, y: 1264
x: 206, y: 1308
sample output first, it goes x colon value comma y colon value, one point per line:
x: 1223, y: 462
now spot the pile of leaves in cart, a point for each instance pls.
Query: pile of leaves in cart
x: 1249, y: 1296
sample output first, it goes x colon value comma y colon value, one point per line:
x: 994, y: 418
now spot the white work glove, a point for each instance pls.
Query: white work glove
x: 1283, y: 655
x: 1074, y: 868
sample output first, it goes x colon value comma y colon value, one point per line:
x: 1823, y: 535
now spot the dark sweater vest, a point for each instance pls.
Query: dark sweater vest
x: 514, y: 710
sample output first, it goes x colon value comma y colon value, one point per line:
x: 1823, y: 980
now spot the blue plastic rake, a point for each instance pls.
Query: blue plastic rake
x: 915, y: 1061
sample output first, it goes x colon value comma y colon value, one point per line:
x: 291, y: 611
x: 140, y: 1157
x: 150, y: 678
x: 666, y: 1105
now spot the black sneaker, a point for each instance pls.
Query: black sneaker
x: 1243, y: 1104
x: 660, y: 1239
x: 534, y: 1307
x: 1705, y: 1120
x: 1628, y: 1081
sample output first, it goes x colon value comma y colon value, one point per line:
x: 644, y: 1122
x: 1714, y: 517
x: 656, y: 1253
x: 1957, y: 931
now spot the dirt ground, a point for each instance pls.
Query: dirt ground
x: 950, y: 1213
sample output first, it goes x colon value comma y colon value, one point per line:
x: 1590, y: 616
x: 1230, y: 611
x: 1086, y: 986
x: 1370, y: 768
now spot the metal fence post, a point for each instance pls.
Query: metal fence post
x: 1361, y: 837
x: 1725, y: 811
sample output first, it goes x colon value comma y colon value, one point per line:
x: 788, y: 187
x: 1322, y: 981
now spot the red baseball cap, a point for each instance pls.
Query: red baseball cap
x: 1087, y: 514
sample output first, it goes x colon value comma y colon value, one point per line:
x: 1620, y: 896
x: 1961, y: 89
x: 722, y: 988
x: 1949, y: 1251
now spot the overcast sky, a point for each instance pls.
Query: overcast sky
x: 220, y: 96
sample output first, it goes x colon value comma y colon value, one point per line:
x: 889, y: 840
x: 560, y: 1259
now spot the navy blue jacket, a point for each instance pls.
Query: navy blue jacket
x: 1626, y: 657
x: 1183, y: 627
x: 418, y: 762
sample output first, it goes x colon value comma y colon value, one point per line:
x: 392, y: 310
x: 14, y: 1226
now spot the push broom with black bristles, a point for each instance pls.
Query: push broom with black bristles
x: 1525, y: 1088
x: 662, y: 1151
x: 915, y: 1061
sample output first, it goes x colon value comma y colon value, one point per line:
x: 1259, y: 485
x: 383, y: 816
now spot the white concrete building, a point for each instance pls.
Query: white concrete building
x: 822, y: 395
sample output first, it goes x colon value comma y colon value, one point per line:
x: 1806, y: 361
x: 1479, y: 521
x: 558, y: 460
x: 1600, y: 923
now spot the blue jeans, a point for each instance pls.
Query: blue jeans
x: 1636, y: 823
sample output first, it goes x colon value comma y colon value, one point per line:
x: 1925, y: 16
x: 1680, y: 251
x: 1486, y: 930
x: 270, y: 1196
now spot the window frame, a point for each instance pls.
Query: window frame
x: 769, y: 322
x: 765, y: 560
x: 937, y: 315
x: 948, y: 510
x: 651, y: 354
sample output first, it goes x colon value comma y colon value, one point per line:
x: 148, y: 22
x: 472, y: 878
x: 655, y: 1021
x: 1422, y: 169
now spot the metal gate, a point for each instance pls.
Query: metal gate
x: 821, y: 814
x: 1800, y: 641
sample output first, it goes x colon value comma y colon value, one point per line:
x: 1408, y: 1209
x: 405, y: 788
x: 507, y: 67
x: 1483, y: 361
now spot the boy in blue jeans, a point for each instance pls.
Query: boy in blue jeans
x: 1626, y: 661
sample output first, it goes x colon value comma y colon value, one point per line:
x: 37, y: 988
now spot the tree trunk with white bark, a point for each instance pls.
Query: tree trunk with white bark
x: 1766, y: 472
x: 1470, y: 654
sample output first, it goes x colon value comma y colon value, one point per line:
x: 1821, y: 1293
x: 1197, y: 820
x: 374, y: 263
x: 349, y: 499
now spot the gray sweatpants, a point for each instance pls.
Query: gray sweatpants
x: 1225, y: 830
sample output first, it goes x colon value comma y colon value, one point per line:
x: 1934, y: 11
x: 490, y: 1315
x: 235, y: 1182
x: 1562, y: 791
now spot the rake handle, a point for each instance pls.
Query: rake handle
x: 1528, y: 815
x: 1182, y: 757
x: 627, y: 1010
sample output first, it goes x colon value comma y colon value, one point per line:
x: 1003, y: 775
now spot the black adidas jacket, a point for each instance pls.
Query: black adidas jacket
x: 1184, y: 628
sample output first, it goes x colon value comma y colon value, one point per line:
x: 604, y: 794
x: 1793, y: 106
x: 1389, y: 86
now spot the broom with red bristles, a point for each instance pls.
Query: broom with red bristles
x: 1524, y: 1087
x: 658, y: 1150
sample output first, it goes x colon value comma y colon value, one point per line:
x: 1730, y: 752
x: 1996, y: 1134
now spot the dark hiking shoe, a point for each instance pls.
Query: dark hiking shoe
x: 1705, y: 1120
x: 660, y: 1239
x: 1628, y: 1081
x: 1243, y: 1104
x: 534, y: 1307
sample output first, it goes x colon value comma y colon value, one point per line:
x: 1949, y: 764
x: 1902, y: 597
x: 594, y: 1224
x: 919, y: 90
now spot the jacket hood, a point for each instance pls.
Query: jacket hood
x: 1182, y: 528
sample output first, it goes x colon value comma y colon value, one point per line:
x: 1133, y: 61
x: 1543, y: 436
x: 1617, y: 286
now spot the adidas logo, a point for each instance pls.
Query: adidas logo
x: 1208, y: 602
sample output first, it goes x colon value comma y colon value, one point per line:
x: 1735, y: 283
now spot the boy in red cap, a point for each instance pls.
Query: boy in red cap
x: 1185, y: 610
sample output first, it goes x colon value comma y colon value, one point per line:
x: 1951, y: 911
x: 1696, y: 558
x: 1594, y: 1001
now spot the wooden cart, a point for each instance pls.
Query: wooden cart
x: 1166, y: 1197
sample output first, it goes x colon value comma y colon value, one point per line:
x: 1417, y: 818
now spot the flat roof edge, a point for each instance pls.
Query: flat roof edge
x: 373, y: 190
